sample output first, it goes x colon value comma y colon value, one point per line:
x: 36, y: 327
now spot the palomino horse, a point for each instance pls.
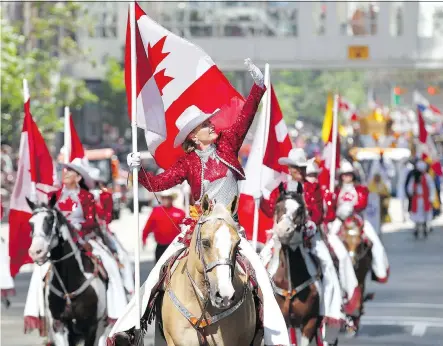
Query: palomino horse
x: 207, y: 300
x: 352, y: 235
x: 296, y: 292
x: 77, y: 295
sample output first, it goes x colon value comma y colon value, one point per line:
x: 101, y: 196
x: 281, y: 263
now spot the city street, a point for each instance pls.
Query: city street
x: 406, y: 311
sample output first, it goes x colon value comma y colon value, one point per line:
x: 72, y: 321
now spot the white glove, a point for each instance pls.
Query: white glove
x: 134, y: 160
x: 310, y: 229
x: 344, y: 211
x: 255, y: 72
x: 76, y: 225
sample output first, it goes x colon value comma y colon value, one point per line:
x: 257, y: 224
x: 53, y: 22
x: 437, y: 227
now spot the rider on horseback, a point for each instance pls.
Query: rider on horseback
x: 211, y: 167
x: 104, y: 206
x: 311, y: 191
x: 78, y: 206
x: 353, y: 198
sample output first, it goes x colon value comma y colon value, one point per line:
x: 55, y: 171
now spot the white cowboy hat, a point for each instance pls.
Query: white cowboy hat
x: 95, y: 174
x: 81, y: 168
x: 168, y: 193
x: 312, y: 167
x: 346, y: 167
x: 296, y: 157
x: 188, y: 121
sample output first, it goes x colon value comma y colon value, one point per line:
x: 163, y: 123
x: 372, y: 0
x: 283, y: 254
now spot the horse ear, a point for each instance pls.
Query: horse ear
x: 31, y: 204
x: 206, y: 204
x: 53, y: 201
x: 232, y: 207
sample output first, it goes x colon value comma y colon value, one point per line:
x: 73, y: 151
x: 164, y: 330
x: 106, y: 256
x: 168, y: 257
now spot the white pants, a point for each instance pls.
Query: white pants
x: 115, y: 295
x: 6, y: 282
x: 127, y: 272
x: 332, y: 298
x: 275, y: 332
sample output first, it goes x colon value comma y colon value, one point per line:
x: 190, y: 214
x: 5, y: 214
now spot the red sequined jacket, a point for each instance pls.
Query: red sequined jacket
x: 329, y: 203
x: 313, y: 198
x: 88, y: 207
x: 228, y: 145
x: 105, y: 206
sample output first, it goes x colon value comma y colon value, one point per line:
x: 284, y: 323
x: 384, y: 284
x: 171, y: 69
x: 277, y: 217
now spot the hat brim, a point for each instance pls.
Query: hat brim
x: 190, y: 126
x: 286, y: 161
x: 84, y: 174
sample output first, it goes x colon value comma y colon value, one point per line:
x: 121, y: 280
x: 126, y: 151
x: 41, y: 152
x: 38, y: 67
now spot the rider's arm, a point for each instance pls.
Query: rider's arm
x: 89, y: 213
x: 107, y: 207
x: 314, y: 201
x: 268, y: 205
x: 362, y: 198
x: 235, y: 135
x: 174, y: 175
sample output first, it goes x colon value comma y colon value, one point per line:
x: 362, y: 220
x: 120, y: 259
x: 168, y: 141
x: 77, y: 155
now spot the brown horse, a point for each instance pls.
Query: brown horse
x: 359, y: 249
x: 296, y: 290
x: 207, y: 300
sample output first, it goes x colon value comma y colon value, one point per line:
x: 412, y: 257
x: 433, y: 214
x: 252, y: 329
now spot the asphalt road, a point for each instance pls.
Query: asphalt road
x: 407, y: 311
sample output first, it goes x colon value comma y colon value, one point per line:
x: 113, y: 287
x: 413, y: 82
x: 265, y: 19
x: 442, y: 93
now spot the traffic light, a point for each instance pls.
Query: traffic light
x: 433, y: 90
x: 396, y: 93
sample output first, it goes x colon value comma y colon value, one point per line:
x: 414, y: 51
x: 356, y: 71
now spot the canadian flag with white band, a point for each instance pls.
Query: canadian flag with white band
x: 277, y: 144
x: 173, y: 75
x: 35, y: 166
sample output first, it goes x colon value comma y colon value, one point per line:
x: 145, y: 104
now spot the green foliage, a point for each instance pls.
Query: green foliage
x: 41, y: 57
x: 302, y: 94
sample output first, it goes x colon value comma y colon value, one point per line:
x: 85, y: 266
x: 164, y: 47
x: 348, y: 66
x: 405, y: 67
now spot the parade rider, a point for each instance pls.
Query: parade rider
x: 211, y: 168
x: 352, y: 199
x: 420, y: 188
x: 298, y: 164
x: 78, y: 206
x: 346, y: 273
x: 104, y: 206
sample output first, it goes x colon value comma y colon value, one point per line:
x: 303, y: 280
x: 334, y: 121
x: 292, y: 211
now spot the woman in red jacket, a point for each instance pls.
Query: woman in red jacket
x: 352, y: 199
x: 298, y: 165
x: 211, y: 167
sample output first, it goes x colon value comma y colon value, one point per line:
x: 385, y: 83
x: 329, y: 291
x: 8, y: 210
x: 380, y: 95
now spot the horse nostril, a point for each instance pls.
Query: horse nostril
x: 217, y: 295
x: 232, y: 298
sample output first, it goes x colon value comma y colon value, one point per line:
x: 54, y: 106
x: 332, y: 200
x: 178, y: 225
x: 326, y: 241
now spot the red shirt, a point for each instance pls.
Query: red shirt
x: 165, y: 228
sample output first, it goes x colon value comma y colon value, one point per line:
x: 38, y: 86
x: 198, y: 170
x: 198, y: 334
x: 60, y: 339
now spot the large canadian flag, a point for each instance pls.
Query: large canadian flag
x: 172, y: 74
x: 35, y: 165
x: 276, y: 140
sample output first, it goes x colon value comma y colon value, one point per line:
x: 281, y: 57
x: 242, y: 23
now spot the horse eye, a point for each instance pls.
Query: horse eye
x: 206, y: 243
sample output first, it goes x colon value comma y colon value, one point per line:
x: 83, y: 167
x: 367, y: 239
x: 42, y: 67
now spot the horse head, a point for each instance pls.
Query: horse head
x: 46, y: 223
x: 216, y: 243
x: 352, y: 236
x: 290, y: 217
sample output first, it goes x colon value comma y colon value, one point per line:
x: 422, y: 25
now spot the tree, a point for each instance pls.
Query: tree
x: 302, y: 94
x: 41, y: 55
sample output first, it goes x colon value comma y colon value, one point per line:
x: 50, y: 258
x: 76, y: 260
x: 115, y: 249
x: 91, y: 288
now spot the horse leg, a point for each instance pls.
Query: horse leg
x: 308, y: 331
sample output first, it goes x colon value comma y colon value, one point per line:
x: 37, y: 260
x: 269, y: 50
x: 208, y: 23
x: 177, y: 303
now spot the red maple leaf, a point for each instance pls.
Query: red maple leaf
x: 67, y: 205
x: 156, y: 56
x: 215, y: 170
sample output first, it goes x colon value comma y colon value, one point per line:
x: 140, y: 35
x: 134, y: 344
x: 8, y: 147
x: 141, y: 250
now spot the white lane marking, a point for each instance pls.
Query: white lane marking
x: 406, y: 305
x: 419, y: 329
x: 402, y: 321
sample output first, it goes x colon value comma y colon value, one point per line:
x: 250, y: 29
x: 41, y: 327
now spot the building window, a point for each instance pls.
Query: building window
x: 430, y: 19
x: 319, y: 17
x: 358, y: 18
x: 396, y: 21
x: 105, y: 15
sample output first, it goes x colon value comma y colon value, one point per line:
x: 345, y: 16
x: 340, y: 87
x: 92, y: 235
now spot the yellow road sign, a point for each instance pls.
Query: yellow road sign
x: 358, y: 52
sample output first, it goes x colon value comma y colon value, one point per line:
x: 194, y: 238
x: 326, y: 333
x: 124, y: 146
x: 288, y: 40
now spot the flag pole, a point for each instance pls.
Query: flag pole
x: 33, y: 198
x: 67, y: 136
x: 266, y: 114
x: 135, y: 171
x: 334, y: 143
